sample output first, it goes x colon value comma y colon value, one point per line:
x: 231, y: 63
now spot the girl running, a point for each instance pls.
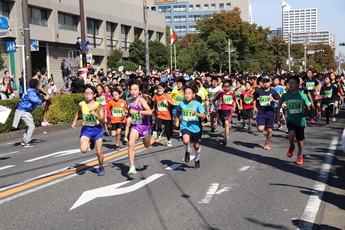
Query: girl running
x: 103, y: 98
x: 247, y: 105
x: 91, y: 132
x: 329, y: 94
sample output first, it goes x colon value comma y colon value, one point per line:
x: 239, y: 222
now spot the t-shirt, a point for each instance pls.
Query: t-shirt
x: 177, y: 96
x: 310, y: 84
x: 263, y: 100
x: 162, y: 106
x: 189, y: 121
x: 295, y: 108
x: 43, y: 81
x: 228, y: 99
x: 116, y: 109
x: 247, y: 99
x: 330, y: 92
x: 279, y: 89
x: 213, y: 91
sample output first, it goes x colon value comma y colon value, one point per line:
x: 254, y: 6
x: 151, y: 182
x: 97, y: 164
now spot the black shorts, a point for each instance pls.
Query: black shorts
x: 299, y: 131
x: 224, y: 115
x: 116, y: 126
x: 247, y: 113
x: 194, y: 137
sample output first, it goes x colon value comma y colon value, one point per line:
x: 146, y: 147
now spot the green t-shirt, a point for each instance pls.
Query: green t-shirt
x: 295, y: 108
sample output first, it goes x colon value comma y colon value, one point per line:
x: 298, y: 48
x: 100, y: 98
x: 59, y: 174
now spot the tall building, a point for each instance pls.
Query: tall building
x: 314, y: 38
x: 182, y: 15
x: 55, y: 24
x: 298, y: 20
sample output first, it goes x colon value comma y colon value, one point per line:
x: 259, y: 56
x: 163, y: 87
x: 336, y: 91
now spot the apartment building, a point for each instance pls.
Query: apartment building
x: 56, y: 25
x: 313, y: 38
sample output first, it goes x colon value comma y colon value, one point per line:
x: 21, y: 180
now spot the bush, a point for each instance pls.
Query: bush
x: 127, y: 65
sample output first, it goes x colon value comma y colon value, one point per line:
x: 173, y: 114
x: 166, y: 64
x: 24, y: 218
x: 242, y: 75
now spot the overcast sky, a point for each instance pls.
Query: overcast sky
x: 331, y: 15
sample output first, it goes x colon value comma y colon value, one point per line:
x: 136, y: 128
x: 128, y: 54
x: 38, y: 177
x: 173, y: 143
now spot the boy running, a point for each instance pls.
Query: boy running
x: 247, y: 105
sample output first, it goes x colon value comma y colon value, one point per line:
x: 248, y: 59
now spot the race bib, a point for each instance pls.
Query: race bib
x: 136, y: 119
x: 237, y: 95
x: 310, y: 85
x: 248, y: 100
x: 264, y: 100
x: 228, y: 99
x: 89, y: 119
x: 162, y: 106
x: 117, y: 112
x: 101, y: 100
x: 212, y: 94
x: 178, y: 99
x: 294, y: 106
x: 328, y: 93
x: 187, y: 115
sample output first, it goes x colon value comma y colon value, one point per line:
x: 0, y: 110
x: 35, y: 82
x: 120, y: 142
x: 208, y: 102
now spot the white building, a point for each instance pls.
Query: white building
x: 314, y: 38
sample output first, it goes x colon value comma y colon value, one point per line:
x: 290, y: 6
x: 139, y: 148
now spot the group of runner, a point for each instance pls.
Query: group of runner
x: 141, y: 106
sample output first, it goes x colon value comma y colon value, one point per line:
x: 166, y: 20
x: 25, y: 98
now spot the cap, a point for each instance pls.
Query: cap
x: 266, y: 78
x: 164, y: 79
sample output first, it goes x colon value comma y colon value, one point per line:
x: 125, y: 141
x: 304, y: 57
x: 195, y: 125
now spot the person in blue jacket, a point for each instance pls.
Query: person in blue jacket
x: 27, y: 104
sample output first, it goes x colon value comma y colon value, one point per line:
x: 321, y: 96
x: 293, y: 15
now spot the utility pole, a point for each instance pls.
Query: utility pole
x: 229, y: 51
x: 289, y: 53
x: 26, y: 29
x: 147, y: 60
x: 83, y: 34
x: 305, y: 43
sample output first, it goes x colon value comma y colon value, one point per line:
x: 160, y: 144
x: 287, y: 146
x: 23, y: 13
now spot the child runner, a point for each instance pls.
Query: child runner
x: 140, y: 126
x: 227, y: 107
x: 310, y: 82
x: 329, y: 94
x: 118, y: 113
x: 103, y: 98
x: 296, y: 102
x: 162, y: 103
x: 279, y: 89
x: 247, y: 105
x: 91, y: 133
x: 263, y: 104
x: 191, y: 111
x: 177, y: 96
x: 213, y: 110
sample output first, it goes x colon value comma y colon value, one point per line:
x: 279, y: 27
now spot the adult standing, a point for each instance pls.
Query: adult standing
x: 65, y: 70
x: 79, y: 86
x: 42, y: 92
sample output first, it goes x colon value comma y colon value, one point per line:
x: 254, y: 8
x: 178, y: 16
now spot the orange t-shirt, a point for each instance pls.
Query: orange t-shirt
x: 116, y: 108
x: 162, y: 106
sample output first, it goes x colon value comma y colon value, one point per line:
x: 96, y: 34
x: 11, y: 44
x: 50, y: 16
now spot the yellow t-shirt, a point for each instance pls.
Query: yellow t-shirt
x: 176, y: 96
x: 89, y: 119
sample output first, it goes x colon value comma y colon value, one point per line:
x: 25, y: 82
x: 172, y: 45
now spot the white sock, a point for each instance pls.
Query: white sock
x: 197, y: 154
x: 187, y: 146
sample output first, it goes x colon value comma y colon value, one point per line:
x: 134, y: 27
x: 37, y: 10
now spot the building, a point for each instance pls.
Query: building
x: 314, y: 38
x: 56, y: 26
x: 298, y: 20
x: 182, y: 15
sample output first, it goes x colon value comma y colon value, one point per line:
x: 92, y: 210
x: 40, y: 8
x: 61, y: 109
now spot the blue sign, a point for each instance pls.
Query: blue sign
x: 3, y: 23
x: 11, y: 47
x: 34, y: 45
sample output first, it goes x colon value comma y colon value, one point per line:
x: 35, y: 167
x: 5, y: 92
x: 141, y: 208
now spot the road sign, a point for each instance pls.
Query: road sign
x: 11, y: 47
x: 3, y: 23
x: 34, y: 45
x: 342, y: 44
x: 5, y: 33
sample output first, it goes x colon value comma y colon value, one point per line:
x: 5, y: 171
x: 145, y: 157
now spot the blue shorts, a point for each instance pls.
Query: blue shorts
x: 92, y: 132
x: 194, y: 137
x: 265, y: 118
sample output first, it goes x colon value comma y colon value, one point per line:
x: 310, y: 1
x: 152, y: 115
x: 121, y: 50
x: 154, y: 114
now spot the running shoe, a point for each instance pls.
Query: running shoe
x: 29, y: 145
x: 43, y: 124
x: 280, y: 126
x: 327, y: 123
x: 319, y: 116
x: 336, y: 110
x: 224, y: 142
x: 187, y: 157
x: 249, y: 128
x: 154, y: 134
x: 117, y: 148
x: 23, y: 143
x: 334, y: 119
x: 312, y: 121
x: 111, y: 136
x: 169, y: 144
x: 101, y: 171
x: 47, y: 123
x: 107, y: 133
x: 132, y: 170
x: 212, y: 129
x: 290, y: 151
x: 267, y: 146
x: 125, y: 139
x: 197, y: 165
x: 92, y: 145
x: 299, y: 160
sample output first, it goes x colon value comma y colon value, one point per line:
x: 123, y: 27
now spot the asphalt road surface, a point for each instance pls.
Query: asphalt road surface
x: 239, y: 186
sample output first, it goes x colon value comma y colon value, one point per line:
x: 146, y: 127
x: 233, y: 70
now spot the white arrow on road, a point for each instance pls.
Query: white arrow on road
x: 112, y: 190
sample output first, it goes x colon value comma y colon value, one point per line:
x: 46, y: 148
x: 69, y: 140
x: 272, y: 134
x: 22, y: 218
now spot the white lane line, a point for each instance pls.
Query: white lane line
x: 6, y: 154
x: 6, y: 167
x: 243, y: 168
x: 173, y: 167
x: 212, y: 189
x: 313, y: 205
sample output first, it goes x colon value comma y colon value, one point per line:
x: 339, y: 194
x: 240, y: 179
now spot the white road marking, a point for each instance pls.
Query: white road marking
x: 112, y: 190
x: 6, y: 167
x: 173, y: 167
x: 53, y: 154
x: 6, y: 154
x: 243, y: 168
x: 313, y: 205
x: 212, y: 189
x: 224, y: 189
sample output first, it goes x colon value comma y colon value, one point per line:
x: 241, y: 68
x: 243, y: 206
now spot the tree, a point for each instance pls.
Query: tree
x: 114, y: 57
x: 217, y: 44
x: 127, y: 65
x: 137, y: 52
x: 277, y: 51
x: 158, y: 55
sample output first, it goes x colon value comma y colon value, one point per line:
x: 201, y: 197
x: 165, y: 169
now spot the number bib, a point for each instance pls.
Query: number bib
x: 264, y: 101
x: 136, y: 119
x: 178, y: 99
x: 310, y: 85
x: 90, y: 120
x: 328, y: 93
x: 187, y: 115
x: 248, y: 100
x: 101, y: 100
x: 294, y: 106
x: 228, y: 99
x: 117, y: 112
x: 162, y: 106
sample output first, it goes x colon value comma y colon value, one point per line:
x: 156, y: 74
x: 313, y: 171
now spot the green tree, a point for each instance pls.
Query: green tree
x: 158, y: 55
x: 137, y: 52
x: 114, y: 57
x: 127, y: 65
x: 217, y: 44
x: 277, y: 48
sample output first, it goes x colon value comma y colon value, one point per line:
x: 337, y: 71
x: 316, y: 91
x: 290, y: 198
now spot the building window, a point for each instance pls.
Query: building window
x: 192, y: 29
x: 153, y: 8
x: 159, y: 36
x: 5, y: 9
x: 181, y: 29
x: 206, y: 6
x: 38, y: 16
x: 124, y: 37
x: 93, y: 26
x: 221, y: 5
x: 180, y: 19
x: 180, y: 9
x: 213, y: 6
x: 228, y: 5
x: 164, y: 9
x: 193, y: 18
x: 111, y: 27
x: 197, y: 7
x: 191, y: 7
x: 67, y: 22
x: 168, y: 19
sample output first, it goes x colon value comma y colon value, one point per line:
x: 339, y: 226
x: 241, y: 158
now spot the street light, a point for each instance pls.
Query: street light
x: 305, y: 43
x: 229, y: 51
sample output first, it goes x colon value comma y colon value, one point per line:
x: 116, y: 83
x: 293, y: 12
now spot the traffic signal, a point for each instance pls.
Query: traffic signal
x: 319, y: 51
x: 342, y: 44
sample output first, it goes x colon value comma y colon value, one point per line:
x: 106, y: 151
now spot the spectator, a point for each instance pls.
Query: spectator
x: 65, y: 70
x: 79, y: 85
x: 3, y: 89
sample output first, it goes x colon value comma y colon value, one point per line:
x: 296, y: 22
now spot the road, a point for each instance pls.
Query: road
x: 239, y: 186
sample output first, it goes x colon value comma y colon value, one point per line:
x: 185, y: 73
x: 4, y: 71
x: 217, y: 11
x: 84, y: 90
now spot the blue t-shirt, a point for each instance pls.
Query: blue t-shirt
x: 280, y: 90
x: 189, y: 121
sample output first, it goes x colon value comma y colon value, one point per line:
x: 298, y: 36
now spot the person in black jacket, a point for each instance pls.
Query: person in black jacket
x: 79, y: 84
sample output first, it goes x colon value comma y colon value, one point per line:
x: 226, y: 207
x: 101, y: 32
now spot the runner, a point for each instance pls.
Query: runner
x: 91, y: 133
x: 191, y: 111
x: 227, y: 107
x: 296, y: 103
x: 279, y: 89
x: 103, y: 98
x: 310, y: 82
x: 263, y: 104
x: 329, y: 95
x: 177, y: 96
x: 140, y: 126
x: 211, y: 94
x: 247, y: 105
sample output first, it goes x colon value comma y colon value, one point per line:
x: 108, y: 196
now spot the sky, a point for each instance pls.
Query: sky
x: 331, y: 16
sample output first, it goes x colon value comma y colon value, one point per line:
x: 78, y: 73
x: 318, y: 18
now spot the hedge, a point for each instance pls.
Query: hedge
x: 61, y: 109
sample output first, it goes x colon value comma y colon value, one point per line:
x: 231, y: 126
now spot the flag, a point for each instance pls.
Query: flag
x: 172, y: 37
